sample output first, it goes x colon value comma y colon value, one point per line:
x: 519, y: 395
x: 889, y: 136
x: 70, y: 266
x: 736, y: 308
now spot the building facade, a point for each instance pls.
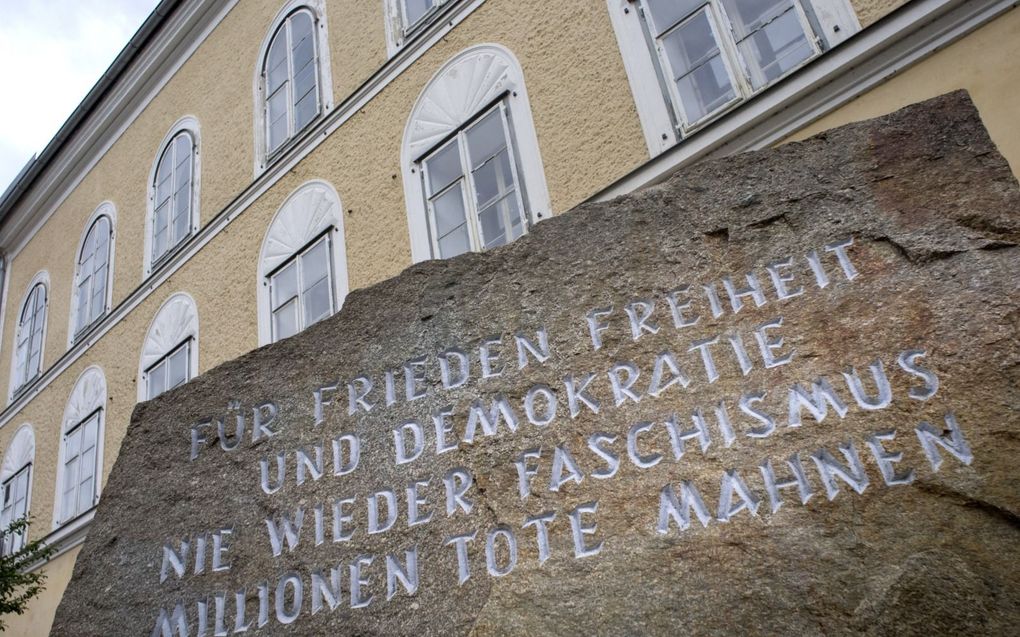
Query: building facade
x: 243, y: 166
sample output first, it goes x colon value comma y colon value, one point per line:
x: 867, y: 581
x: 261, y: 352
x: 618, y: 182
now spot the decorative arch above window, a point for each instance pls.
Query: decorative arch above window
x: 302, y: 271
x: 16, y: 485
x: 92, y: 294
x: 293, y: 85
x: 79, y: 472
x: 30, y: 338
x: 473, y: 175
x: 170, y: 351
x: 173, y: 193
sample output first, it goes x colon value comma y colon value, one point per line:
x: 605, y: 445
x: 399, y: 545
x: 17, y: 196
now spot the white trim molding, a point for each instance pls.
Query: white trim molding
x: 469, y: 82
x: 108, y: 210
x: 43, y: 277
x: 187, y: 124
x: 88, y: 397
x: 175, y: 323
x: 325, y: 79
x: 312, y: 210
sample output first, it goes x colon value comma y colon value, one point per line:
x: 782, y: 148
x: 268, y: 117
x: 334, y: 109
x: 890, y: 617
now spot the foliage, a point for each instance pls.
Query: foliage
x: 17, y: 585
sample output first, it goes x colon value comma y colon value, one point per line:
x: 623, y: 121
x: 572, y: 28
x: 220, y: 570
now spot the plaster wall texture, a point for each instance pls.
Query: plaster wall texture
x: 870, y: 11
x: 986, y: 63
x: 39, y: 615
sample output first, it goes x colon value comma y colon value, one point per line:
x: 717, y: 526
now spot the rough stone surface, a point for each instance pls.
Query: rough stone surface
x: 933, y: 213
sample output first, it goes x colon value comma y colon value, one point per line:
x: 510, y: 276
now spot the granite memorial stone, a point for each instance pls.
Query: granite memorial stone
x: 777, y: 394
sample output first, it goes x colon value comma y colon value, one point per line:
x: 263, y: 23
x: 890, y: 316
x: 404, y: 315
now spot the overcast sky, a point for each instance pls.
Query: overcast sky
x: 51, y: 53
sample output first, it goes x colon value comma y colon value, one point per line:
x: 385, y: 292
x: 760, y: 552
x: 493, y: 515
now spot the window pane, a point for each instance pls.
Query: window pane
x: 157, y: 380
x: 305, y: 110
x: 415, y: 10
x: 444, y: 167
x: 276, y: 64
x: 501, y: 222
x: 317, y: 302
x: 698, y: 68
x: 314, y: 264
x: 448, y: 211
x: 277, y: 116
x: 666, y: 13
x: 705, y: 90
x: 457, y: 242
x: 302, y: 47
x: 486, y: 138
x: 748, y: 16
x: 776, y: 49
x: 284, y: 285
x: 85, y: 494
x: 97, y: 304
x: 177, y: 368
x: 81, y: 315
x: 493, y: 179
x: 285, y: 321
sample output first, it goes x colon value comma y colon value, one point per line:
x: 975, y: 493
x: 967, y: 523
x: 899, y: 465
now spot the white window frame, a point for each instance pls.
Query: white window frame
x: 174, y: 324
x: 186, y: 346
x: 88, y: 398
x: 312, y: 210
x: 15, y: 388
x: 317, y: 8
x: 469, y: 190
x: 187, y: 124
x: 398, y: 31
x: 19, y: 457
x: 473, y: 80
x: 9, y: 514
x: 656, y: 101
x: 108, y: 210
x: 299, y: 294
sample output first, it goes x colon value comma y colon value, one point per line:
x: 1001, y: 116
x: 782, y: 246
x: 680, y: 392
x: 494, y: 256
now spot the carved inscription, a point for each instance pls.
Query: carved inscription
x: 329, y: 453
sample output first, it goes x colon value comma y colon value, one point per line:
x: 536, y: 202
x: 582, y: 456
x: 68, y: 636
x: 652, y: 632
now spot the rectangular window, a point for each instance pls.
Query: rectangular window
x: 714, y: 53
x: 301, y: 290
x: 15, y: 507
x: 416, y: 12
x: 81, y: 445
x: 172, y: 370
x: 472, y: 188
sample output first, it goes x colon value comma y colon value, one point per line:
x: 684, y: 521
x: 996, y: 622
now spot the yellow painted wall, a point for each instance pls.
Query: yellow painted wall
x: 39, y: 615
x: 986, y: 63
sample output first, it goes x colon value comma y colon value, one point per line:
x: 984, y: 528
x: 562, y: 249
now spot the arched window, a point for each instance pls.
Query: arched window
x: 172, y: 196
x: 473, y: 176
x: 170, y: 351
x: 81, y: 448
x: 91, y: 294
x: 303, y: 264
x: 293, y: 83
x: 31, y: 335
x: 16, y: 485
